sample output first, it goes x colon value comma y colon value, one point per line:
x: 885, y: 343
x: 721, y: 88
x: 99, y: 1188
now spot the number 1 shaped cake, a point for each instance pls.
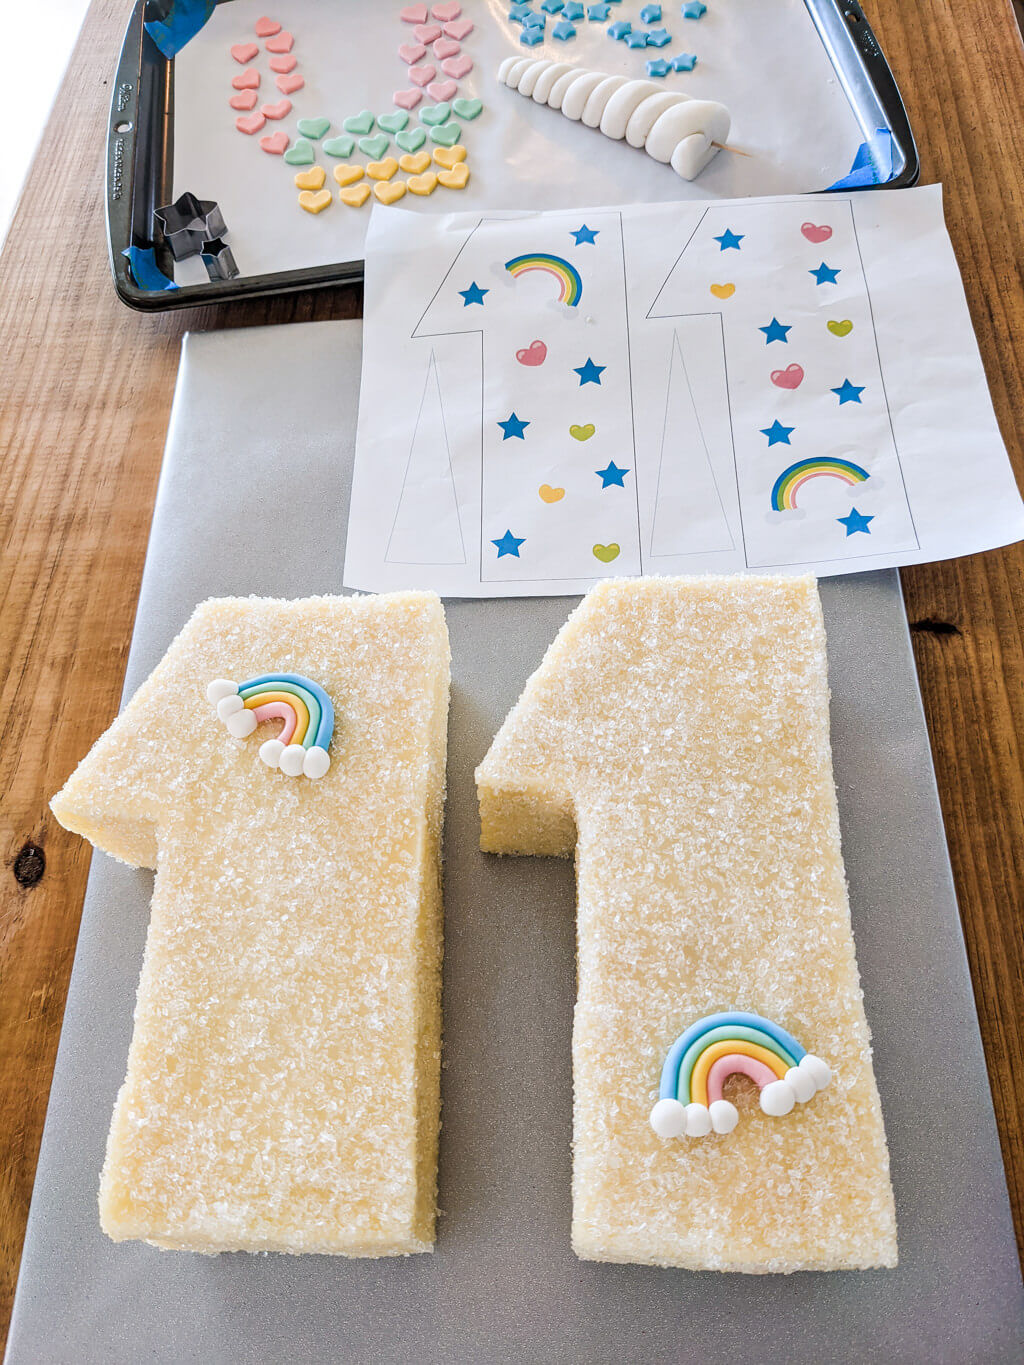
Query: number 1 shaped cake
x: 283, y: 771
x: 726, y: 1117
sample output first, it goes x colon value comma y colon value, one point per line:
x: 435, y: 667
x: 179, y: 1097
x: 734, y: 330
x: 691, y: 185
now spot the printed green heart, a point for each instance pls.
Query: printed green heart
x: 409, y: 141
x: 300, y: 155
x: 606, y: 553
x: 359, y: 123
x: 583, y: 433
x: 436, y: 114
x: 469, y: 109
x: 841, y: 329
x: 393, y: 123
x: 447, y: 135
x: 313, y: 127
x: 340, y: 146
x: 374, y: 146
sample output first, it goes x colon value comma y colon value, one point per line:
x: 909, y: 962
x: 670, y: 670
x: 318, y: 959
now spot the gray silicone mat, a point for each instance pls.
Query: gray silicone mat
x: 503, y: 1284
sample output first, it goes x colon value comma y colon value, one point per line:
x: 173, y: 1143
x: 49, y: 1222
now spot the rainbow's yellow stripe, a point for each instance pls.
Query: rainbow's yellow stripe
x: 569, y: 283
x: 791, y: 480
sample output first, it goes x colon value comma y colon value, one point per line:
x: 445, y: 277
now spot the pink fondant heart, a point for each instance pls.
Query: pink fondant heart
x: 460, y: 29
x: 283, y: 64
x: 422, y: 75
x: 266, y: 28
x: 411, y: 53
x: 446, y: 47
x: 441, y: 90
x: 245, y: 99
x: 275, y: 143
x: 457, y: 67
x: 816, y: 234
x: 289, y: 84
x: 246, y: 80
x: 250, y: 123
x: 427, y: 33
x: 244, y: 52
x: 789, y: 378
x: 275, y: 111
x: 413, y: 14
x: 281, y: 42
x: 534, y: 354
x: 447, y: 12
x: 407, y: 99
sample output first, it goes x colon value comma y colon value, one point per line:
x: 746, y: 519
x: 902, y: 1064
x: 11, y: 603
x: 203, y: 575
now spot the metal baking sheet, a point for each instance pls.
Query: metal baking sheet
x: 503, y: 1284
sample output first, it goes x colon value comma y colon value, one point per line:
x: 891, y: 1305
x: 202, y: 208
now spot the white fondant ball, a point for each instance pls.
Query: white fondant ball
x: 316, y: 762
x: 227, y: 706
x: 820, y: 1072
x: 241, y: 724
x: 698, y: 1120
x: 271, y: 751
x: 777, y: 1098
x: 802, y: 1082
x: 668, y: 1118
x: 724, y: 1116
x: 292, y: 758
x: 221, y: 688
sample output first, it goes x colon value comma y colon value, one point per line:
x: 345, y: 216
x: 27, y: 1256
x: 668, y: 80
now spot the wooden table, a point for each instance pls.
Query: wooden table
x: 84, y: 399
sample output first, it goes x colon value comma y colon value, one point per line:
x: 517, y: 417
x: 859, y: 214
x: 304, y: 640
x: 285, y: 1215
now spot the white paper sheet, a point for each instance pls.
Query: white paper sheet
x: 782, y: 384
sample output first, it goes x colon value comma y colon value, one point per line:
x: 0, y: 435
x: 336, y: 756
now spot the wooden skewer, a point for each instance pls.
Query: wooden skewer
x: 724, y: 147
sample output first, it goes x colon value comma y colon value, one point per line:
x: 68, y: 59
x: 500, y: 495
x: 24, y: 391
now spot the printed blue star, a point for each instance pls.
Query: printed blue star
x: 658, y: 37
x: 530, y: 37
x: 597, y: 14
x: 824, y: 274
x: 563, y: 30
x: 508, y: 544
x: 658, y: 66
x: 777, y: 434
x: 776, y: 331
x: 584, y: 234
x: 474, y: 294
x: 693, y: 9
x: 849, y: 393
x: 855, y: 522
x: 611, y: 476
x: 573, y: 10
x: 620, y: 29
x: 589, y: 373
x: 637, y: 39
x: 685, y: 61
x: 730, y: 239
x: 513, y: 426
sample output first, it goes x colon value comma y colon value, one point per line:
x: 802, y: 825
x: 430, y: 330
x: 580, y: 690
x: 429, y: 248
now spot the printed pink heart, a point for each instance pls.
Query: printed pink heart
x: 275, y: 111
x: 422, y: 75
x: 245, y: 99
x: 289, y: 84
x: 789, y: 378
x: 457, y: 67
x: 275, y: 143
x: 244, y: 52
x: 446, y: 13
x: 413, y: 14
x: 250, y: 123
x: 407, y: 99
x: 534, y: 354
x: 411, y: 53
x: 281, y: 42
x: 427, y: 33
x: 283, y: 64
x: 460, y: 29
x: 442, y: 90
x: 446, y: 47
x: 266, y: 28
x: 246, y: 80
x: 813, y: 233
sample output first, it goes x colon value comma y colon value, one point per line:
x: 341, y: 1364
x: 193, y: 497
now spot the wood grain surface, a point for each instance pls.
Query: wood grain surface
x: 85, y: 397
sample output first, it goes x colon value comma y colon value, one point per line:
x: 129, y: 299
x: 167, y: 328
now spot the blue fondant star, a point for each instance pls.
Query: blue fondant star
x: 474, y: 294
x: 637, y: 39
x: 693, y: 9
x: 776, y: 331
x: 777, y: 434
x: 730, y: 240
x: 849, y: 393
x: 573, y: 10
x: 685, y: 61
x: 650, y: 14
x: 530, y: 37
x: 563, y: 30
x: 589, y: 373
x: 598, y: 13
x: 513, y: 426
x: 658, y: 37
x: 534, y: 20
x: 552, y: 6
x: 508, y: 544
x: 658, y: 66
x: 584, y: 234
x: 855, y: 522
x: 823, y: 274
x: 518, y: 13
x: 620, y: 29
x: 611, y: 476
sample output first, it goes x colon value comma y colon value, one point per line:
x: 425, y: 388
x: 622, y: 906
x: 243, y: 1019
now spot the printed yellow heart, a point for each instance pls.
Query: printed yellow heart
x: 449, y: 156
x: 422, y: 184
x: 582, y: 433
x: 346, y: 174
x: 455, y: 179
x: 841, y: 329
x: 354, y: 195
x: 723, y: 291
x: 549, y: 494
x: 414, y: 162
x: 382, y: 170
x: 312, y: 179
x: 315, y: 203
x: 606, y: 553
x: 388, y: 191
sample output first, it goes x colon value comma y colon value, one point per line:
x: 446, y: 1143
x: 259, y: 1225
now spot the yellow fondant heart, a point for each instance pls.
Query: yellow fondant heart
x: 455, y: 179
x: 449, y: 156
x: 388, y: 191
x: 382, y: 170
x: 723, y: 291
x: 346, y: 174
x: 315, y: 203
x: 422, y: 184
x: 354, y: 195
x: 415, y: 162
x: 312, y: 179
x: 606, y: 553
x: 549, y: 494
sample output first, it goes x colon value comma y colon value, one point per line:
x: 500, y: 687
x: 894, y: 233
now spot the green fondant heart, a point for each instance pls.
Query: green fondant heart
x: 437, y: 113
x: 313, y: 127
x: 374, y: 146
x: 606, y: 553
x: 447, y: 135
x: 359, y: 123
x: 393, y: 123
x: 582, y: 433
x: 411, y: 140
x: 300, y: 155
x: 841, y: 329
x: 467, y: 108
x: 340, y: 146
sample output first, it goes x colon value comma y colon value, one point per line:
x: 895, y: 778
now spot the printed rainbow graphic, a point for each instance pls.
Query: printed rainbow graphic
x: 569, y: 283
x: 302, y: 705
x: 791, y: 480
x: 690, y: 1097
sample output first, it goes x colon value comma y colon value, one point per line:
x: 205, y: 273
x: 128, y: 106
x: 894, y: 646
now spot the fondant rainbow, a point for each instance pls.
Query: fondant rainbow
x: 569, y: 283
x: 690, y: 1097
x: 303, y: 707
x: 791, y: 480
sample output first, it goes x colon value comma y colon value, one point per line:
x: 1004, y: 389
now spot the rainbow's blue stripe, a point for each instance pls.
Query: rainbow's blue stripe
x: 776, y: 1039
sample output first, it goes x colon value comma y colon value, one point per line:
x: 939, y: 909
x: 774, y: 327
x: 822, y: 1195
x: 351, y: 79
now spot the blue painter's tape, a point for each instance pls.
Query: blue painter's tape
x: 872, y: 165
x: 183, y: 21
x: 145, y: 271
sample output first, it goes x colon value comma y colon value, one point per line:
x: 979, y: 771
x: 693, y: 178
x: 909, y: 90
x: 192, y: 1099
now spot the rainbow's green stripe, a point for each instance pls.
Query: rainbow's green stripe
x: 732, y: 1025
x: 791, y: 480
x: 318, y: 703
x: 569, y: 283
